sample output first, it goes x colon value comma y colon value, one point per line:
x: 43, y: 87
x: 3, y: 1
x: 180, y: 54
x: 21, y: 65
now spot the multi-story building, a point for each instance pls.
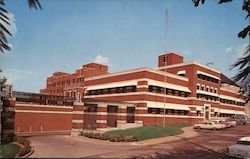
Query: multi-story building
x: 176, y: 91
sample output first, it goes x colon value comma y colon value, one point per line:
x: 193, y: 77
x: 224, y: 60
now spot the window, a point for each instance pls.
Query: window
x: 202, y: 88
x: 207, y: 89
x: 112, y: 109
x: 164, y: 59
x: 150, y: 110
x: 179, y: 93
x: 173, y: 92
x: 198, y: 87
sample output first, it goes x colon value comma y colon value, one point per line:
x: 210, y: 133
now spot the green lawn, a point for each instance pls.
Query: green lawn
x: 149, y: 132
x: 8, y: 150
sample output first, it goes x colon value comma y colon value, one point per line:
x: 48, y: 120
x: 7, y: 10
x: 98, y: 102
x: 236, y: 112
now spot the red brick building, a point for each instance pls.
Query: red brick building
x: 176, y: 91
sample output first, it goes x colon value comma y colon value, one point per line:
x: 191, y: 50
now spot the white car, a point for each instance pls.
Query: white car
x: 241, y: 149
x: 209, y: 125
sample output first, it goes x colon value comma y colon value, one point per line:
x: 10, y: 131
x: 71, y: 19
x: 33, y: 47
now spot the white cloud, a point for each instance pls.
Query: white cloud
x: 101, y: 60
x: 236, y: 51
x: 229, y: 49
x: 14, y: 75
x: 186, y: 52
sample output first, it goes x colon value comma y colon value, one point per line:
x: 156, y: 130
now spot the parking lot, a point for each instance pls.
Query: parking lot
x: 209, y: 144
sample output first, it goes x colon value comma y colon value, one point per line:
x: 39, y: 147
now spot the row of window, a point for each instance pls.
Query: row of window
x: 125, y: 89
x: 223, y: 115
x: 231, y: 102
x: 168, y: 91
x: 167, y: 111
x: 207, y: 78
x: 64, y: 82
x: 212, y: 98
x: 207, y: 97
x: 54, y: 91
x: 207, y: 89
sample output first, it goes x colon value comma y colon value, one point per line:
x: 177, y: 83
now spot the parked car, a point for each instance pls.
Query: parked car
x: 232, y: 121
x: 209, y: 125
x: 241, y: 149
x: 240, y: 118
x: 225, y: 123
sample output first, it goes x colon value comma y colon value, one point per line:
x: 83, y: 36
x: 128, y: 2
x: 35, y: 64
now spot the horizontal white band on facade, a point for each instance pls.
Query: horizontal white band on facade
x: 168, y: 85
x: 139, y: 121
x: 207, y: 74
x: 78, y: 112
x: 199, y: 109
x: 231, y: 98
x: 43, y: 106
x: 112, y: 85
x: 188, y: 63
x: 42, y: 112
x: 207, y: 93
x: 193, y: 111
x: 77, y: 121
x: 101, y: 121
x: 121, y: 121
x: 227, y: 111
x: 181, y: 72
x: 235, y: 90
x: 142, y: 86
x: 134, y: 82
x: 105, y: 104
x: 166, y: 106
x: 136, y: 93
x: 137, y: 70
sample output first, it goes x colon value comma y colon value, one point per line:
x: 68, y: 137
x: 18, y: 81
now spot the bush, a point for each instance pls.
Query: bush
x: 112, y: 138
x: 26, y: 148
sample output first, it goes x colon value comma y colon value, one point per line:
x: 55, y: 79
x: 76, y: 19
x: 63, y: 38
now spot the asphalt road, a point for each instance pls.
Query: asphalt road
x: 209, y: 144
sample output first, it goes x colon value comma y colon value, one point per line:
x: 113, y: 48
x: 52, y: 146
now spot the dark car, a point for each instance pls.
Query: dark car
x: 239, y: 118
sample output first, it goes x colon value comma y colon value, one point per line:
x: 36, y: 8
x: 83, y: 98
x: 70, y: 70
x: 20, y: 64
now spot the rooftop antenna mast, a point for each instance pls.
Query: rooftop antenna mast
x: 165, y: 62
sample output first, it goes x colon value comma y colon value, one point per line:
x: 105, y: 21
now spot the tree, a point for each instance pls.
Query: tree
x: 4, y: 23
x: 243, y: 63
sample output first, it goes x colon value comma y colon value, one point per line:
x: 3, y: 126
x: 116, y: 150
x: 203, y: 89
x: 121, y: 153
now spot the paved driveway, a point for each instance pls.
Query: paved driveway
x: 210, y: 144
x: 73, y: 147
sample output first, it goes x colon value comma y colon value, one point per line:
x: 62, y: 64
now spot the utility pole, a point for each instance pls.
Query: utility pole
x: 165, y: 62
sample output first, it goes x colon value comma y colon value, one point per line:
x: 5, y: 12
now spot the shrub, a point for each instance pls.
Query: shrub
x: 112, y: 138
x: 26, y: 148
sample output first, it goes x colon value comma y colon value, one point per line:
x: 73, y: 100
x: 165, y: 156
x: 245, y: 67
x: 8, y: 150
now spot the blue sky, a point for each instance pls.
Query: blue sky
x: 124, y: 34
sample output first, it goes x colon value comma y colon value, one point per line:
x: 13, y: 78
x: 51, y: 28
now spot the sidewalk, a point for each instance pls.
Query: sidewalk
x: 188, y: 133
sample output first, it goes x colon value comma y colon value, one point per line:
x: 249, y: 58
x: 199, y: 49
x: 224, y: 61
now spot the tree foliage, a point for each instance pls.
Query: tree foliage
x: 5, y: 23
x: 243, y: 63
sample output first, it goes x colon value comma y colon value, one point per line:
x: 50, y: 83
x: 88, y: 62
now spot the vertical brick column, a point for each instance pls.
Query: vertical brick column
x: 142, y: 86
x: 141, y: 108
x: 101, y: 121
x: 122, y: 115
x: 77, y: 118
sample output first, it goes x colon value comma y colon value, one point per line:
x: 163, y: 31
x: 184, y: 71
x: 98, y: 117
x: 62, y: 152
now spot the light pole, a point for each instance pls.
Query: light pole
x: 165, y: 62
